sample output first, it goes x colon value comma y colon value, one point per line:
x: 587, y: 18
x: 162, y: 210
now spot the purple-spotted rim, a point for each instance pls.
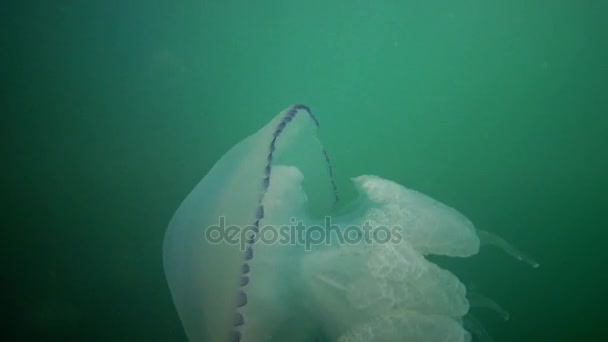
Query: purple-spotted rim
x: 241, y: 299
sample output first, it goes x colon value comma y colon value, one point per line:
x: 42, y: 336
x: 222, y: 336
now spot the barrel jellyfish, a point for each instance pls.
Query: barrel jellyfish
x: 259, y: 250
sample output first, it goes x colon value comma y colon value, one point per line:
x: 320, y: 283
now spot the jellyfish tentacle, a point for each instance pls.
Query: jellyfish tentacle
x: 473, y: 325
x: 481, y: 301
x: 488, y: 238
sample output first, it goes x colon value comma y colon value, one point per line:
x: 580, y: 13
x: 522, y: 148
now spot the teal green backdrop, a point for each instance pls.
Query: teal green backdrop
x: 111, y: 111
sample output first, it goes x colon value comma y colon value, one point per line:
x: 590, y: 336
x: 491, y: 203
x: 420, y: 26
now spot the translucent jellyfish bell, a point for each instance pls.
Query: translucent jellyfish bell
x: 214, y: 283
x: 238, y: 268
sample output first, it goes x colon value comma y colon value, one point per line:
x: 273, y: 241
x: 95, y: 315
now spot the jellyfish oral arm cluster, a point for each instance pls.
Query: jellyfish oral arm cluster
x: 243, y: 286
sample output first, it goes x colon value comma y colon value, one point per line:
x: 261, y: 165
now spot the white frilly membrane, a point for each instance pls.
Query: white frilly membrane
x: 336, y: 290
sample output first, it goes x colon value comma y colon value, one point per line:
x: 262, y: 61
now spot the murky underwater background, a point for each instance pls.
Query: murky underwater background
x: 111, y: 111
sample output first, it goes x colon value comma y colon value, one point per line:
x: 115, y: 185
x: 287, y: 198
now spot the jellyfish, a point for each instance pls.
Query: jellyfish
x: 262, y: 250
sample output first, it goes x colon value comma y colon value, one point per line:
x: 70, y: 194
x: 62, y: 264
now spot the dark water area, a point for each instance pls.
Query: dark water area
x: 112, y: 111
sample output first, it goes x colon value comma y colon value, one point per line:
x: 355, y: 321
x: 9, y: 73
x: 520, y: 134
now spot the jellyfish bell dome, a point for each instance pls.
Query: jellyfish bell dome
x: 247, y: 284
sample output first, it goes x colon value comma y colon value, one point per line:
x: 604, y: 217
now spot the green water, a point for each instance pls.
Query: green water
x: 111, y: 111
